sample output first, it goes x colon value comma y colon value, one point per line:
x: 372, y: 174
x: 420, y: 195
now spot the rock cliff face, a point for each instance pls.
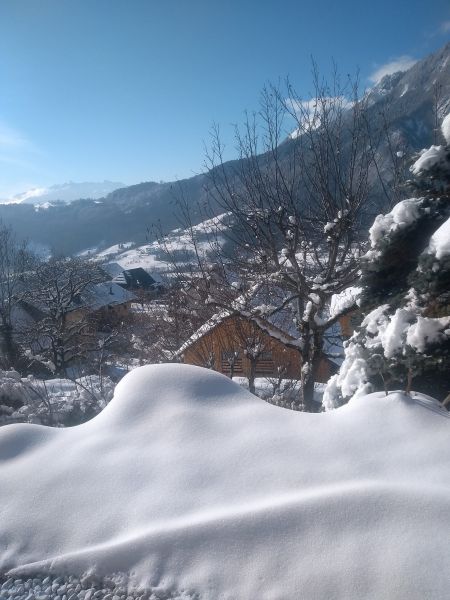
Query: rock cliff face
x: 418, y: 99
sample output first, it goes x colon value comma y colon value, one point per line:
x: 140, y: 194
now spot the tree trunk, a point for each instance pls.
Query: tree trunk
x: 309, y: 405
x: 251, y: 377
x: 312, y: 356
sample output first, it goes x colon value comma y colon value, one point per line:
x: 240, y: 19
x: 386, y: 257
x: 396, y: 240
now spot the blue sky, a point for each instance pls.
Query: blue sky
x: 127, y: 90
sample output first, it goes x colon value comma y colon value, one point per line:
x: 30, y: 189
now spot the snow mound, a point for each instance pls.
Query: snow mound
x: 186, y: 481
x: 446, y: 128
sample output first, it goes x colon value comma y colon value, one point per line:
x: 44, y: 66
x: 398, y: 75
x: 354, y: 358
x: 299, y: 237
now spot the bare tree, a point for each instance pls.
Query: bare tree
x: 254, y: 344
x: 15, y: 262
x: 63, y: 331
x: 299, y: 205
x: 161, y: 327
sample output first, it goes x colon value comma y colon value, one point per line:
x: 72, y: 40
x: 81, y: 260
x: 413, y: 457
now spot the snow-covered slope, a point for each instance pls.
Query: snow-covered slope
x: 153, y: 256
x: 187, y: 481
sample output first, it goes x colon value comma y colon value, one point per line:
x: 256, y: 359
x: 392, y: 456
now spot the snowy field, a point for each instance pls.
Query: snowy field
x: 154, y: 256
x: 188, y: 484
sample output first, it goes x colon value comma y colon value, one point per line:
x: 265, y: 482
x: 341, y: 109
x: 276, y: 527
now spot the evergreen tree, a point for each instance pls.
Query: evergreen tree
x: 405, y: 335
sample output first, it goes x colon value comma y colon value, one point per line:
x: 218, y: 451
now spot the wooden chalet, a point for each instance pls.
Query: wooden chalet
x: 108, y: 301
x: 234, y: 345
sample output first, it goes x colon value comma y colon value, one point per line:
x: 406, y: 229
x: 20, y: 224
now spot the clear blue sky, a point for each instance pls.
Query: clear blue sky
x: 127, y: 89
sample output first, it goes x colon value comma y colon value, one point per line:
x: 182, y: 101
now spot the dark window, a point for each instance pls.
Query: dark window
x: 231, y: 360
x: 265, y: 364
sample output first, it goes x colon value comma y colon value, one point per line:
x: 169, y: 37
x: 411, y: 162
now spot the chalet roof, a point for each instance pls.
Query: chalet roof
x: 258, y: 306
x: 108, y: 293
x: 94, y: 297
x: 135, y: 278
x: 272, y: 330
x: 113, y: 269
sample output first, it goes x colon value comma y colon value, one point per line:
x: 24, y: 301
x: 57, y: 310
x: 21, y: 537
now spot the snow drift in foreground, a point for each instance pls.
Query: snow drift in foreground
x: 187, y: 480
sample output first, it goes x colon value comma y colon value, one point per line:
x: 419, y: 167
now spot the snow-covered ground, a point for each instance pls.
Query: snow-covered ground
x: 52, y: 401
x: 187, y: 482
x: 286, y: 392
x: 154, y: 256
x: 114, y: 250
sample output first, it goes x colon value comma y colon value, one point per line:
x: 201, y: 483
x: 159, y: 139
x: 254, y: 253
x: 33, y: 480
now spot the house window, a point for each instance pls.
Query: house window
x: 231, y: 361
x: 265, y: 364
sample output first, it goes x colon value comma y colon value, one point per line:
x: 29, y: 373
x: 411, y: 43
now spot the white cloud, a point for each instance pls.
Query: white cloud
x: 300, y: 107
x: 402, y: 63
x: 445, y: 27
x: 308, y: 113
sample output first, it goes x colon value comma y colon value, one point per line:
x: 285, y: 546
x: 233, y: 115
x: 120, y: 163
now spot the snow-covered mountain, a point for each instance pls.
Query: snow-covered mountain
x: 413, y: 98
x: 65, y: 192
x: 418, y: 99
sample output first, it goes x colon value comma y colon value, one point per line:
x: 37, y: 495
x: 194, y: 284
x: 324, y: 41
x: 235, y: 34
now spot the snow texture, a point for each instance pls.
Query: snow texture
x: 344, y: 300
x: 352, y: 379
x: 87, y: 587
x: 440, y: 241
x: 390, y: 336
x: 108, y: 293
x: 428, y: 159
x: 187, y: 482
x: 427, y: 331
x: 403, y: 214
x: 446, y: 128
x: 393, y: 334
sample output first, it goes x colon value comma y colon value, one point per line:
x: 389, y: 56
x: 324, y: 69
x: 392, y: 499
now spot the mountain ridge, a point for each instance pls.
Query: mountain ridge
x: 413, y: 98
x: 70, y: 191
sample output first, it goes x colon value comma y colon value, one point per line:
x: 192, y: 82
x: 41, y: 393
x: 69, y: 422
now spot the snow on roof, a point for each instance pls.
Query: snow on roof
x: 279, y: 325
x: 120, y: 279
x: 259, y: 306
x: 117, y: 272
x: 265, y: 300
x: 108, y: 293
x: 203, y: 330
x: 188, y: 482
x: 113, y: 268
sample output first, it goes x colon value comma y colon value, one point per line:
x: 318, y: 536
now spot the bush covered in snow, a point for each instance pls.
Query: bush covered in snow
x: 57, y: 402
x: 280, y: 391
x: 405, y: 334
